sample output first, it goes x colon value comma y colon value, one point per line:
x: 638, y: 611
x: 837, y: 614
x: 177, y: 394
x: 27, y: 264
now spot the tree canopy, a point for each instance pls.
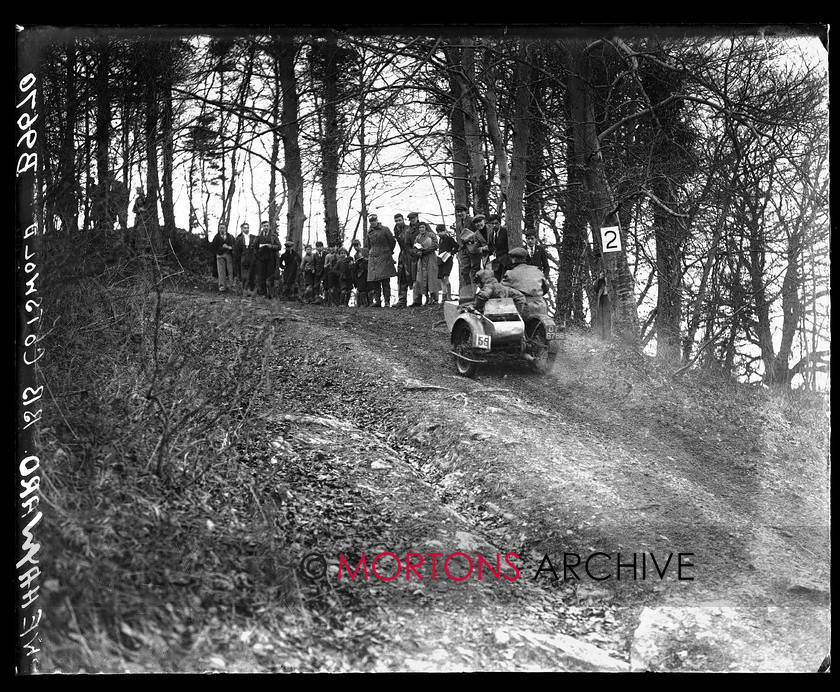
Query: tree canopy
x: 707, y: 149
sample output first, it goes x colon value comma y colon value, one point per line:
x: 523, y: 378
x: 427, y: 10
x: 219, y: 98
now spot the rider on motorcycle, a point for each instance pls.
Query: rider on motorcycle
x: 527, y: 280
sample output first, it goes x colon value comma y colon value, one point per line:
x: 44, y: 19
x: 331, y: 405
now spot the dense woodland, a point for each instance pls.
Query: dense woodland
x: 710, y: 151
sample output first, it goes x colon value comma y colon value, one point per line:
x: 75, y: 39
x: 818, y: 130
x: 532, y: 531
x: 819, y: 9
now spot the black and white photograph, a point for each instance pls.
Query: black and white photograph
x: 433, y: 348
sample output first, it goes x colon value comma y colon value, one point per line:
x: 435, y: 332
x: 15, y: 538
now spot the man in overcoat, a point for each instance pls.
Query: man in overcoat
x: 425, y: 246
x: 268, y: 245
x: 244, y: 256
x: 462, y: 223
x: 289, y: 265
x: 407, y: 261
x: 381, y: 268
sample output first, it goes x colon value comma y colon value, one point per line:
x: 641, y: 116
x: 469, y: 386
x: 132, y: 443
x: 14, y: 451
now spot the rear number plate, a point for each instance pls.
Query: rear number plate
x: 553, y: 332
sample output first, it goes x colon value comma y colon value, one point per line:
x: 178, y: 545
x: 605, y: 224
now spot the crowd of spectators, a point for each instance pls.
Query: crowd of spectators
x: 362, y: 274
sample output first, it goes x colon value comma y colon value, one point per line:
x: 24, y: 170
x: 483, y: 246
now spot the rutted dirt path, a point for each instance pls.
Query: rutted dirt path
x: 583, y: 461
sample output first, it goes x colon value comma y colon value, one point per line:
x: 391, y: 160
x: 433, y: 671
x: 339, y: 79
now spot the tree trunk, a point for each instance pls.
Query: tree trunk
x: 292, y: 167
x: 168, y: 150
x: 275, y: 152
x: 462, y: 70
x: 494, y: 131
x: 573, y: 270
x: 521, y: 139
x: 331, y: 143
x: 774, y: 369
x: 588, y: 158
x: 669, y: 241
x: 240, y: 124
x: 67, y: 186
x: 460, y: 155
x: 103, y: 112
x: 153, y: 180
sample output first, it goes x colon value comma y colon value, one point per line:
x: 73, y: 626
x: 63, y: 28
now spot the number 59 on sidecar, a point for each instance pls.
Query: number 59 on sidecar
x: 477, y: 337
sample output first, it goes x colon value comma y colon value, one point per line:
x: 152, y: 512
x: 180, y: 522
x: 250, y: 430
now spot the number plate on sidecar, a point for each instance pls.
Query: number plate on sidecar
x: 481, y: 341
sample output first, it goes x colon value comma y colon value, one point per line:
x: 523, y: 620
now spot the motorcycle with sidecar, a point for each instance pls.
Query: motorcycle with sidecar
x: 477, y: 337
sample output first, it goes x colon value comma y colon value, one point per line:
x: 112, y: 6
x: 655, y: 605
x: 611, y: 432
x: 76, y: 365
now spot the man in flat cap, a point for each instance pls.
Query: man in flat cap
x: 289, y: 265
x: 411, y: 234
x: 381, y: 268
x: 463, y: 229
x: 477, y: 246
x: 407, y: 260
x: 268, y: 246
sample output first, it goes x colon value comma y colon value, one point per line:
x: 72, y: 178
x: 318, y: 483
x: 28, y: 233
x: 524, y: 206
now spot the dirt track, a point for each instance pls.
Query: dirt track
x: 581, y: 461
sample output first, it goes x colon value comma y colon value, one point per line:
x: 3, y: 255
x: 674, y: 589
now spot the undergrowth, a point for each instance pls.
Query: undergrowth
x: 151, y: 438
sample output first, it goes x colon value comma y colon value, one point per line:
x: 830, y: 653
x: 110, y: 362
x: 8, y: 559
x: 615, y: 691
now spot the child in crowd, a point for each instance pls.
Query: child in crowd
x: 289, y: 264
x: 345, y: 276
x: 360, y: 274
x: 332, y: 288
x: 307, y: 268
x: 318, y: 279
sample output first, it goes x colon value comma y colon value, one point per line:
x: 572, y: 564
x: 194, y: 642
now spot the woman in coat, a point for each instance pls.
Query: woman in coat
x: 381, y: 267
x: 426, y: 243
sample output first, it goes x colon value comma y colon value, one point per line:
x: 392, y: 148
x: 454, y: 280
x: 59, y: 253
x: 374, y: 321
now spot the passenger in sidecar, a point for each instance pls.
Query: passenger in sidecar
x: 488, y: 287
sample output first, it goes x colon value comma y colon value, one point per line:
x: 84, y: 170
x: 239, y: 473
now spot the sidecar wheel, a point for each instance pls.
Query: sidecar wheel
x: 462, y: 344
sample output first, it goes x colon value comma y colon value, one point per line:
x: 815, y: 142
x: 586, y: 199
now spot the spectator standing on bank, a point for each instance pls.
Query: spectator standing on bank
x: 402, y: 268
x: 413, y: 256
x: 244, y: 255
x: 360, y: 270
x: 537, y: 256
x: 345, y: 276
x: 427, y: 284
x: 475, y: 250
x: 381, y: 268
x: 445, y: 257
x: 463, y: 228
x: 289, y: 265
x: 499, y: 242
x: 331, y: 285
x: 307, y: 269
x: 268, y: 245
x: 222, y: 246
x: 406, y: 262
x: 318, y: 280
